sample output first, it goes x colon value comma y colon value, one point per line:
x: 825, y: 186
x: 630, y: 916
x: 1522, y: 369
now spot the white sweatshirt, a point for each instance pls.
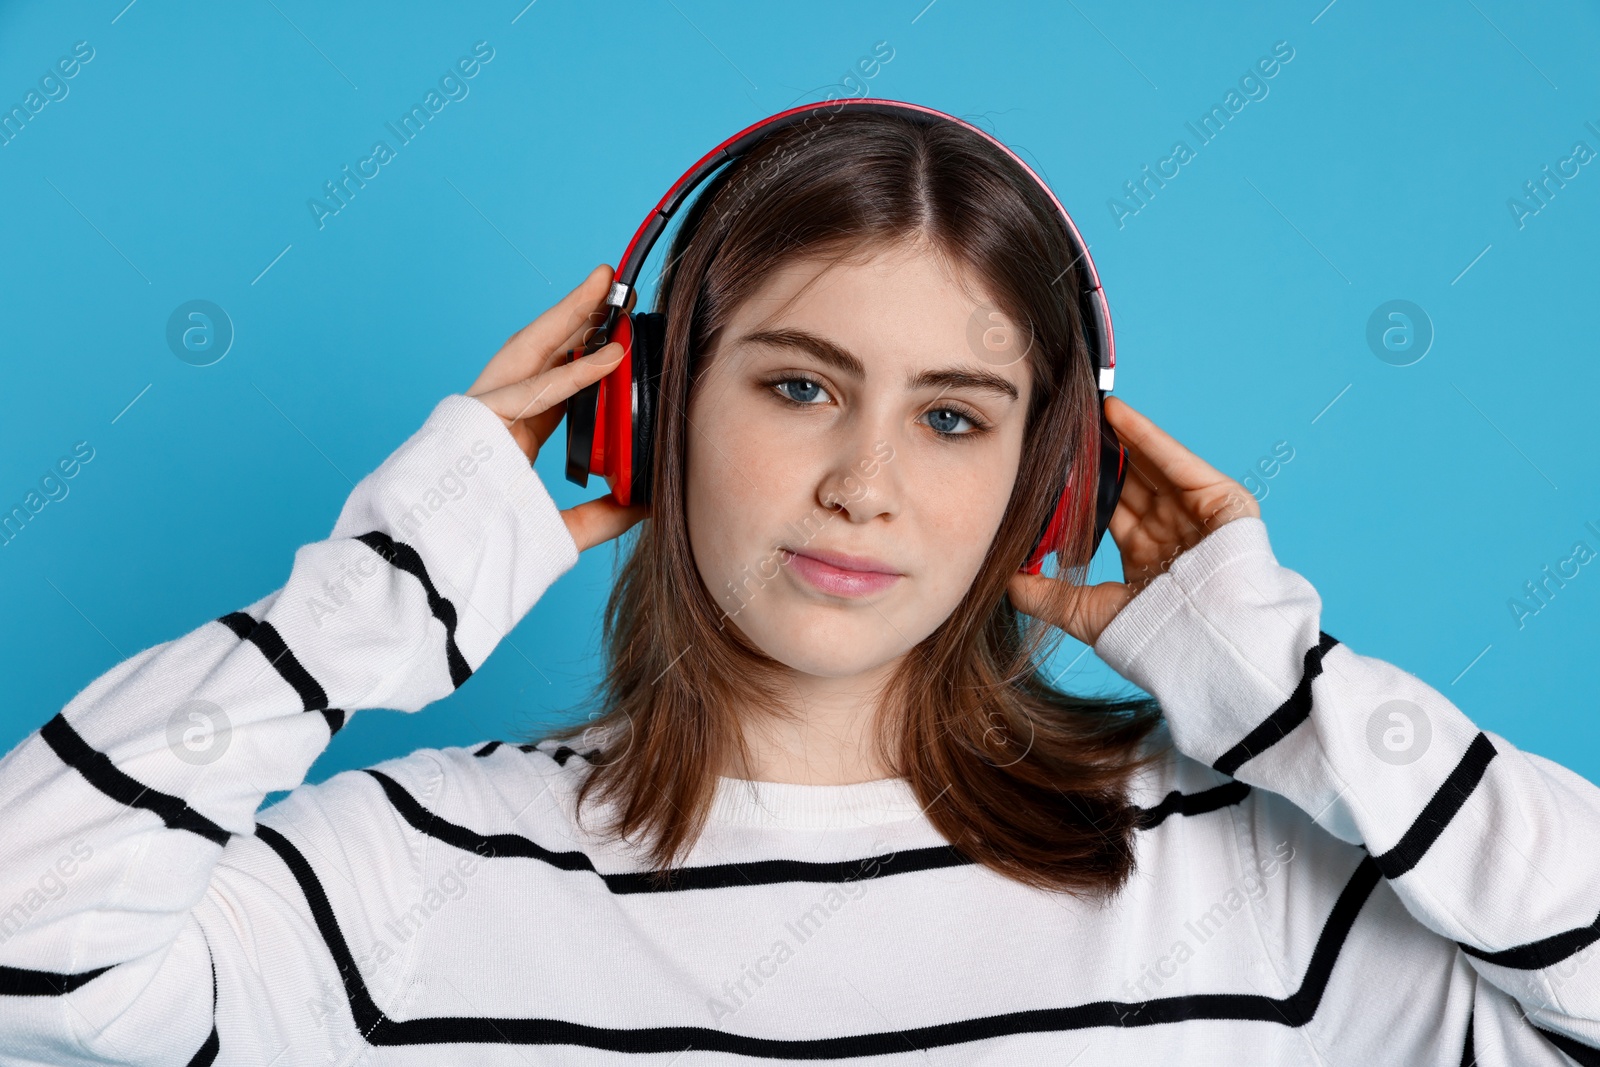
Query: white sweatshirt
x: 1339, y: 868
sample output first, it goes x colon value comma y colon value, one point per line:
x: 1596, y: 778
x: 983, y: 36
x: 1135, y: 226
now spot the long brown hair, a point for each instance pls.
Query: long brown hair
x: 1018, y: 775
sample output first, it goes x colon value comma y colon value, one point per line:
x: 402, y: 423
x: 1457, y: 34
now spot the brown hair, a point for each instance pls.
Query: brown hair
x: 1022, y: 777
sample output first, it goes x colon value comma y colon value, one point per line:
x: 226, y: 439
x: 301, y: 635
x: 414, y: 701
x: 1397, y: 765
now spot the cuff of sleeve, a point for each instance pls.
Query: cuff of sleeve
x: 522, y: 490
x: 453, y: 477
x: 462, y: 493
x: 1143, y: 617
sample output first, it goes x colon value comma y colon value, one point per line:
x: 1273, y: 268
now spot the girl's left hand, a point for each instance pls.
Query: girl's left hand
x: 529, y: 380
x: 1171, y: 498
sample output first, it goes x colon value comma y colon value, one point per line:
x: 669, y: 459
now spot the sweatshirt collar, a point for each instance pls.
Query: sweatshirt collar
x: 787, y: 805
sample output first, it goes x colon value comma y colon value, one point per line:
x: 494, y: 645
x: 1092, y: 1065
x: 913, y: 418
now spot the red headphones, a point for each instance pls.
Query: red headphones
x: 611, y: 423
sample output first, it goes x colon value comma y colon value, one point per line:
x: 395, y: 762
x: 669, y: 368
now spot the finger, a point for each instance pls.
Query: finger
x: 597, y: 521
x: 527, y: 351
x: 575, y: 314
x: 1082, y: 616
x: 1138, y: 492
x: 577, y: 338
x: 1123, y: 522
x: 542, y: 425
x: 530, y: 397
x: 1028, y: 593
x: 1147, y: 440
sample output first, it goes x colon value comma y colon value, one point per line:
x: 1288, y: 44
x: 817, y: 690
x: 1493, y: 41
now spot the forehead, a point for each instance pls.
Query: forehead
x: 903, y: 305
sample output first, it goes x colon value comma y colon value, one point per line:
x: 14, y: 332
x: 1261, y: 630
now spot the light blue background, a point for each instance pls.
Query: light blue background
x: 1378, y: 167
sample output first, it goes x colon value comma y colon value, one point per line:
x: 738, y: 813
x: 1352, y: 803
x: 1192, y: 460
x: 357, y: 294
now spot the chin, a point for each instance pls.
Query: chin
x: 823, y: 640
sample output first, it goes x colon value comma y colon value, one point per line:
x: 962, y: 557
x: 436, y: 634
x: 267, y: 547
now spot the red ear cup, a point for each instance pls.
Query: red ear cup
x: 611, y: 424
x: 1113, y: 470
x: 600, y: 416
x: 613, y: 432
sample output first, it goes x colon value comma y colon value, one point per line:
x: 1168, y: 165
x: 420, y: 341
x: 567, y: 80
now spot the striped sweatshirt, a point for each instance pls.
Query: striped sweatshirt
x: 1334, y: 865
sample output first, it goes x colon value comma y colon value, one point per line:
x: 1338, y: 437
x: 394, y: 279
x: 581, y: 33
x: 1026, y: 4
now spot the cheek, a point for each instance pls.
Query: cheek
x: 733, y: 491
x: 960, y: 514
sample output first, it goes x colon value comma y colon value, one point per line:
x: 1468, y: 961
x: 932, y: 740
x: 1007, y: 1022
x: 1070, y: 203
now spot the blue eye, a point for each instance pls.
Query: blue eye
x: 946, y: 420
x: 806, y: 390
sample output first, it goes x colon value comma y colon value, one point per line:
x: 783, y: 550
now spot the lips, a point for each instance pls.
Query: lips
x: 841, y: 575
x: 859, y: 564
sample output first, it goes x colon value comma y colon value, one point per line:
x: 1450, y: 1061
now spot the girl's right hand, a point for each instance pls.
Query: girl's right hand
x: 528, y: 381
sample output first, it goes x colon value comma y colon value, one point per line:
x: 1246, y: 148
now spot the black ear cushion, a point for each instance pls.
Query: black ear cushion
x: 1113, y: 464
x: 649, y: 340
x: 582, y: 407
x: 1113, y: 472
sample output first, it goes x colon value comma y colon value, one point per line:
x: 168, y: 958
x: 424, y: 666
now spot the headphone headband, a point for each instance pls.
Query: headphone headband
x: 1097, y: 325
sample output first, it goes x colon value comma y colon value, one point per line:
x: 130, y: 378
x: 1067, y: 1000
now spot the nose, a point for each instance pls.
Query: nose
x: 859, y: 483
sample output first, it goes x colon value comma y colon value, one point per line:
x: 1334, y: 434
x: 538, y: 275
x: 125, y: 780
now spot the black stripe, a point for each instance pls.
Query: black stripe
x: 401, y: 555
x: 560, y: 755
x: 366, y: 1012
x: 738, y: 875
x: 207, y: 1052
x: 1546, y: 952
x: 240, y: 622
x: 1439, y: 810
x: 1290, y: 713
x: 1297, y: 1009
x: 21, y: 982
x: 265, y: 636
x: 105, y: 776
x: 1176, y: 803
x: 1585, y: 1055
x: 335, y: 717
x: 713, y: 876
x: 1469, y: 1051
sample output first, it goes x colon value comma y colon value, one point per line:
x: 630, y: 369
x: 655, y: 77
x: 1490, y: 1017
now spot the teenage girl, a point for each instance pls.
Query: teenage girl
x: 832, y: 806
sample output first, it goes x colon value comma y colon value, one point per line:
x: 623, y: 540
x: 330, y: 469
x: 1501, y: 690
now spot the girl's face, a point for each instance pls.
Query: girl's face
x: 876, y: 415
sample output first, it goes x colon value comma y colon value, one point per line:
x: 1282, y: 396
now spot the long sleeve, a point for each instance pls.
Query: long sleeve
x: 1488, y: 846
x: 116, y: 812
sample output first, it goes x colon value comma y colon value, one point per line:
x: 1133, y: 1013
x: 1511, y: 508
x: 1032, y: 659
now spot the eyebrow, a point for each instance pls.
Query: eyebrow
x: 841, y: 359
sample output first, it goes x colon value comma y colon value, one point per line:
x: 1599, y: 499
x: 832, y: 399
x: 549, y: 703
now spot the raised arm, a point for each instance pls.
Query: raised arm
x: 1489, y: 846
x: 115, y: 813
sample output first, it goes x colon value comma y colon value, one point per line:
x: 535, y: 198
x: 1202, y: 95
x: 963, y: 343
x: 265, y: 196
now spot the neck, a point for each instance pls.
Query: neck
x: 824, y: 734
